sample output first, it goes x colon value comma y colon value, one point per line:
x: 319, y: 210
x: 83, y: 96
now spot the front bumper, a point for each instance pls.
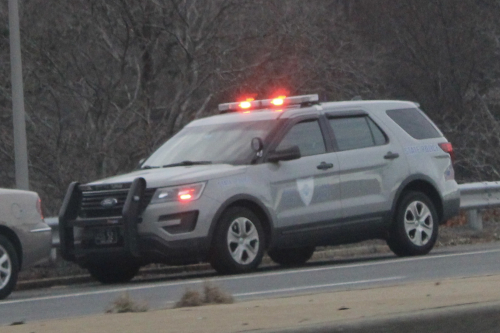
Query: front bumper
x: 171, y: 232
x: 125, y: 225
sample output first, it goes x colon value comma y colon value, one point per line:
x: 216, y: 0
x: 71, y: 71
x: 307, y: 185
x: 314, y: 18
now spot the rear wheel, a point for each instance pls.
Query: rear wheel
x: 291, y: 257
x: 238, y: 242
x: 111, y: 272
x: 415, y: 228
x: 9, y: 267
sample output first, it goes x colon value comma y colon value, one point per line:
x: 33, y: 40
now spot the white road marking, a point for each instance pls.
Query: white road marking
x: 382, y: 262
x: 99, y: 292
x: 246, y: 276
x: 283, y: 290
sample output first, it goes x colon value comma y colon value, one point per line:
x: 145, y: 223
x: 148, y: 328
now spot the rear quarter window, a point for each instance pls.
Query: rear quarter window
x: 413, y: 122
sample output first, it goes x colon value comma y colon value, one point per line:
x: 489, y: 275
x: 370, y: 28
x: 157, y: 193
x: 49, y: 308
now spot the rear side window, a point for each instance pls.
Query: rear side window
x: 414, y: 123
x: 356, y: 132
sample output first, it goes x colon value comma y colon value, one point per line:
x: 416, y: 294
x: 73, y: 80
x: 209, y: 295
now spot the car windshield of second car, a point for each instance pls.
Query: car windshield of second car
x: 217, y: 143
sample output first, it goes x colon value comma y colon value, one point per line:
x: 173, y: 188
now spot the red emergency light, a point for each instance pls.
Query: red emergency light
x: 265, y: 104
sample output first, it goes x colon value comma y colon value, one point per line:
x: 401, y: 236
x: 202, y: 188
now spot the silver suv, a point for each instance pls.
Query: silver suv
x: 284, y: 176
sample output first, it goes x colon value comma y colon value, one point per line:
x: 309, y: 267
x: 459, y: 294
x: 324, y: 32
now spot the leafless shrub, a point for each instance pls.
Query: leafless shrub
x: 189, y: 298
x: 211, y: 295
x: 125, y: 304
x: 214, y: 295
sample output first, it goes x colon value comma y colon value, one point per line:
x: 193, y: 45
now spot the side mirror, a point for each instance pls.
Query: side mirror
x: 288, y: 154
x: 257, y: 144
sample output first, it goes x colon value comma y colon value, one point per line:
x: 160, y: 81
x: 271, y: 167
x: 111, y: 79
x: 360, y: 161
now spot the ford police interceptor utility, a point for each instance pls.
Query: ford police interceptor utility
x: 282, y: 175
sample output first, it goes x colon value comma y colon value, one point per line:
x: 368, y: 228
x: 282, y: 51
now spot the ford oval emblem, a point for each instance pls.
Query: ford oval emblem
x: 109, y: 202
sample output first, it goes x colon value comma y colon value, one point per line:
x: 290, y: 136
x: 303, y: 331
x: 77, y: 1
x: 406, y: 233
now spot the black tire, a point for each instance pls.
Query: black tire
x: 238, y: 232
x: 291, y: 257
x: 415, y: 228
x: 111, y: 272
x: 9, y: 267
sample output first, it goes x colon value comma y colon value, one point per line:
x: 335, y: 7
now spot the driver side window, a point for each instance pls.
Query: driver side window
x: 307, y: 136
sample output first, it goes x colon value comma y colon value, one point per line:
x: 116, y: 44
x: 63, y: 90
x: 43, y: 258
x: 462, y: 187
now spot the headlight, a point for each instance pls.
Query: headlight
x: 183, y: 193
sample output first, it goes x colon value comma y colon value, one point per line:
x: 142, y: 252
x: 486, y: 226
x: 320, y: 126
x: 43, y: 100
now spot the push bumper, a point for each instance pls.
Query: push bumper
x: 123, y: 227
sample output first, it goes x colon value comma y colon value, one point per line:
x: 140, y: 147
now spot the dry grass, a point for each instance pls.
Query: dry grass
x: 189, y: 298
x: 211, y: 295
x: 214, y: 295
x: 125, y: 304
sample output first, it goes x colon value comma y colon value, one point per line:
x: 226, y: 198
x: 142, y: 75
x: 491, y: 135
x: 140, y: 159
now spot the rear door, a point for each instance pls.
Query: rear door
x: 372, y: 165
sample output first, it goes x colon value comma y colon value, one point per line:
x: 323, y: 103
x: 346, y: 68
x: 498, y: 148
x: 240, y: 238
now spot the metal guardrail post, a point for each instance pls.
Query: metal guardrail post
x: 477, y: 196
x: 475, y: 219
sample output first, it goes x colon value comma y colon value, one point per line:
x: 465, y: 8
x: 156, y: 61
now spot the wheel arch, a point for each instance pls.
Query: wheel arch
x: 12, y: 237
x: 252, y: 203
x: 422, y: 184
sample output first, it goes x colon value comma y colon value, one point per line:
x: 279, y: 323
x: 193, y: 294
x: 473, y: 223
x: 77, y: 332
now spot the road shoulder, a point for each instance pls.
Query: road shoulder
x: 298, y: 312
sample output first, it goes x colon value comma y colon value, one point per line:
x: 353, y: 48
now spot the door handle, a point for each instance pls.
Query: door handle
x: 391, y: 156
x: 324, y: 166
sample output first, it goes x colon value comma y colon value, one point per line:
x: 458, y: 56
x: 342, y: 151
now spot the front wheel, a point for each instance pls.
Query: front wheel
x: 291, y: 257
x: 113, y: 272
x: 238, y: 242
x: 415, y: 227
x: 9, y: 267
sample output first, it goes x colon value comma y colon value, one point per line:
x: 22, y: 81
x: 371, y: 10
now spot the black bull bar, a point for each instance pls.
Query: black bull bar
x: 68, y: 217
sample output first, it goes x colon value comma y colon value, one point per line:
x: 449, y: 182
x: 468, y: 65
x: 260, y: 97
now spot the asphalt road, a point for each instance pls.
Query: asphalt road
x: 272, y: 281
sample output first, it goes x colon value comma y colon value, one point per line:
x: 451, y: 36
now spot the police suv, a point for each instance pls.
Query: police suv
x: 281, y: 175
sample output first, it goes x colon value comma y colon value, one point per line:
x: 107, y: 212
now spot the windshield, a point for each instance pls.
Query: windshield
x: 220, y: 143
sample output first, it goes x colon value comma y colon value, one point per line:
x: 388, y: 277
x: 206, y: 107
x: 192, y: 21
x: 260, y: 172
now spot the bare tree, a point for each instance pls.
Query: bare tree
x: 113, y: 79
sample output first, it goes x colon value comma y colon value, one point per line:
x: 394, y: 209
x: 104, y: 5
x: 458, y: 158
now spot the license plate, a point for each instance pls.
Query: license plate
x: 106, y: 236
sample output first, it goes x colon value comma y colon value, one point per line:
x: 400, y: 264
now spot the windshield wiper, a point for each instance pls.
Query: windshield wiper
x: 149, y: 167
x: 187, y: 163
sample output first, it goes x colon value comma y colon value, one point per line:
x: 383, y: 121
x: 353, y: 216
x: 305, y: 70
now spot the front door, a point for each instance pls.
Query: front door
x: 305, y: 191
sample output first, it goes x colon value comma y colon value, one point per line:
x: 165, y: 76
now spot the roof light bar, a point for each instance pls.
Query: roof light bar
x: 268, y: 103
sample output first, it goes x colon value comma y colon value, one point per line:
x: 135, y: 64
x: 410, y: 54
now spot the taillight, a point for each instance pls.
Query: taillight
x: 39, y: 207
x: 448, y: 148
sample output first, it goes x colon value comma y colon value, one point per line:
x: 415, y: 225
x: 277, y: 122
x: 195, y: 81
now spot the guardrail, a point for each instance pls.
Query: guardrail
x: 473, y: 198
x: 477, y: 196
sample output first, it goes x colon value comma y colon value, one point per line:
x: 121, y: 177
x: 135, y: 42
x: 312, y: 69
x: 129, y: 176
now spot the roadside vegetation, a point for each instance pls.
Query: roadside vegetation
x: 124, y: 303
x: 212, y: 294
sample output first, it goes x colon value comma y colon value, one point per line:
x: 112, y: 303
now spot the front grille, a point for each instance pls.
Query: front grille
x: 91, y: 207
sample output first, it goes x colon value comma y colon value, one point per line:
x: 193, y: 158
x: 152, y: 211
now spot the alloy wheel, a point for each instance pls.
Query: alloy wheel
x: 243, y: 240
x: 418, y: 223
x: 5, y: 267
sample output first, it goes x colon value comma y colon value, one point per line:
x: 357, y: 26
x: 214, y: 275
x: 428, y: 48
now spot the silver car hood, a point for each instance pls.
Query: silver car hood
x: 162, y: 177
